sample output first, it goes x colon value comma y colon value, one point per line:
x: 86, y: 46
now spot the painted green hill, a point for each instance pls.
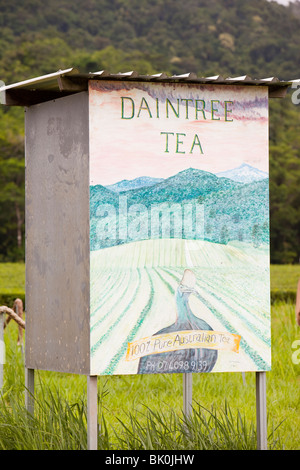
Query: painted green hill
x: 240, y: 214
x: 184, y: 186
x: 192, y: 204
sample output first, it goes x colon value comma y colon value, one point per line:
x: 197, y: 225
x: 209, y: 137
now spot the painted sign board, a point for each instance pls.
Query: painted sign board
x: 179, y: 228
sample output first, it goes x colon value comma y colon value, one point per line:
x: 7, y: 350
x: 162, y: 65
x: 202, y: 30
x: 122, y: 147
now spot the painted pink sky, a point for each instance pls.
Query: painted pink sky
x: 128, y: 148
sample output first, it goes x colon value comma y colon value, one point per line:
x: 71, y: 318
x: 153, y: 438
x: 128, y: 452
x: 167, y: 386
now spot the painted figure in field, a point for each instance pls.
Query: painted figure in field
x: 185, y: 360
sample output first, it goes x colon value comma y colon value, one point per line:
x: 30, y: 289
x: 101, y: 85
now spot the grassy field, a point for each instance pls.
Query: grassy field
x: 12, y: 279
x: 151, y: 406
x: 285, y: 277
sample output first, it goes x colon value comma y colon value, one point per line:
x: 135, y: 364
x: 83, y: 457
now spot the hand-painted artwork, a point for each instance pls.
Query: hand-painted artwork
x: 179, y: 228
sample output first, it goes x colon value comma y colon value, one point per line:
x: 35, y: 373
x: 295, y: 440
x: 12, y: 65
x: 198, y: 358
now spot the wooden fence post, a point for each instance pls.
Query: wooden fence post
x: 18, y: 308
x: 2, y: 349
x: 17, y: 316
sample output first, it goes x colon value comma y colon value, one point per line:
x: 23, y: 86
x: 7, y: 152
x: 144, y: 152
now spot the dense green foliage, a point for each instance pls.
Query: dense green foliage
x: 208, y: 37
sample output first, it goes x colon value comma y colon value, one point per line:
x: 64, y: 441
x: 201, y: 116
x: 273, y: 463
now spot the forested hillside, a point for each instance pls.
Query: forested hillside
x: 208, y: 37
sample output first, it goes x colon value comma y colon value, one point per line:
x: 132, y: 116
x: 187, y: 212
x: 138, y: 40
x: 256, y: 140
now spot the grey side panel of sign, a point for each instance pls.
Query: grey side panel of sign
x: 57, y: 235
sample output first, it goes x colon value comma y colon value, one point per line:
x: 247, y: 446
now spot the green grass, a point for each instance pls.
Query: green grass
x: 145, y: 412
x: 284, y: 280
x: 12, y: 277
x: 285, y: 277
x: 12, y: 283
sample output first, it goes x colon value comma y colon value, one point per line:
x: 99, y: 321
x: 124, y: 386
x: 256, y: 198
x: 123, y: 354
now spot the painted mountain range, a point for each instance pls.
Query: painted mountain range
x: 233, y: 210
x: 137, y: 183
x: 244, y: 174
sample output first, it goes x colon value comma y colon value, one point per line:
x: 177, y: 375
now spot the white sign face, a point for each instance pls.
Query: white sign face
x: 179, y: 228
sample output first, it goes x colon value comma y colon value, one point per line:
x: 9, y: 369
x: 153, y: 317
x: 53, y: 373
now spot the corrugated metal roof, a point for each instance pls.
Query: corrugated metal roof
x: 68, y: 81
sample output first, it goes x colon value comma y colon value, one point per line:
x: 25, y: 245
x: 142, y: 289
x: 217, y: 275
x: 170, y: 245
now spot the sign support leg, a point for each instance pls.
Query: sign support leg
x: 187, y: 394
x: 92, y: 412
x: 261, y: 411
x: 29, y: 390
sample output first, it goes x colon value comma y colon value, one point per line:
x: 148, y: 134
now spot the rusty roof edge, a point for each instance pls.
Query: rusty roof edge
x: 190, y: 77
x: 186, y: 77
x: 71, y: 80
x: 133, y: 75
